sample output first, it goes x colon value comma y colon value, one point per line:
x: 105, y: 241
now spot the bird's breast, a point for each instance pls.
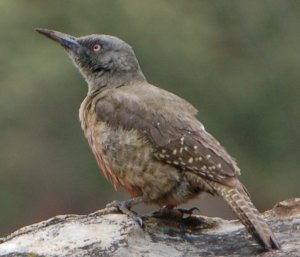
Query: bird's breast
x: 120, y: 154
x: 94, y: 132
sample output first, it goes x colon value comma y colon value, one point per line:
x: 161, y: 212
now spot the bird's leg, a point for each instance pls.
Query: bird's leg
x: 171, y: 211
x: 125, y: 206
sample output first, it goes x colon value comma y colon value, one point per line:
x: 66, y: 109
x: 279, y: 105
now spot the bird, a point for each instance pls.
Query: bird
x: 148, y: 141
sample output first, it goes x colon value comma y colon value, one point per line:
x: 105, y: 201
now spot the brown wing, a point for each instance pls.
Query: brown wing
x: 169, y: 124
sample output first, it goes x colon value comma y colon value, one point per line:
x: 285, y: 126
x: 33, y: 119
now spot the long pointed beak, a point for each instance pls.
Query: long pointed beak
x: 67, y: 41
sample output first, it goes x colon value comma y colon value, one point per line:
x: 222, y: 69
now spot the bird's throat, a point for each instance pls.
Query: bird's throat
x: 112, y: 79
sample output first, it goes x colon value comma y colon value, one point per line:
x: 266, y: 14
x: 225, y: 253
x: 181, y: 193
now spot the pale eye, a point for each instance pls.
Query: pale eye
x: 96, y: 48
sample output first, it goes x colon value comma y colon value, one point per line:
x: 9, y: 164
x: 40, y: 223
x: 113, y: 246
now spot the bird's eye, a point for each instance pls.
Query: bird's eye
x: 97, y: 48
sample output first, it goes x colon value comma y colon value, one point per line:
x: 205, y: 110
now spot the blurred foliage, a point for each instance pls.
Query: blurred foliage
x: 237, y: 61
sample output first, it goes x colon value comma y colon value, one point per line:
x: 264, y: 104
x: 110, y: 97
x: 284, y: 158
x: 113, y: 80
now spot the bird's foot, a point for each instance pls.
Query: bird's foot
x: 125, y: 206
x: 170, y: 211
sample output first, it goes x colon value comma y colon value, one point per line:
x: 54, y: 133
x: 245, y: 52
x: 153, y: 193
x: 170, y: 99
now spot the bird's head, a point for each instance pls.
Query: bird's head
x: 104, y: 61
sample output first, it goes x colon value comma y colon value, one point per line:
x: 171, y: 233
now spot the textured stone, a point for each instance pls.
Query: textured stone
x: 102, y: 234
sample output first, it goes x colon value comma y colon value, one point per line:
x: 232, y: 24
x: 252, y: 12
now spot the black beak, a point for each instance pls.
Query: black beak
x: 65, y: 40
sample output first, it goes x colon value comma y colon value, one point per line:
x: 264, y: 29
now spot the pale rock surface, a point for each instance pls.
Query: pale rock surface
x: 103, y: 234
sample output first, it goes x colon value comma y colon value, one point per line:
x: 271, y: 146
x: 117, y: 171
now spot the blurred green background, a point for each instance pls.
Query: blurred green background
x: 237, y: 61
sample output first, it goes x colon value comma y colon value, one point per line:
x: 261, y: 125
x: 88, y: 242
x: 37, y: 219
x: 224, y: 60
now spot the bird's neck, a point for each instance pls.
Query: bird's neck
x: 104, y: 79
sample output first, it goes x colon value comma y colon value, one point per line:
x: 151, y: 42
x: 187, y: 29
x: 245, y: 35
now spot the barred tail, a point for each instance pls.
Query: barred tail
x: 246, y: 212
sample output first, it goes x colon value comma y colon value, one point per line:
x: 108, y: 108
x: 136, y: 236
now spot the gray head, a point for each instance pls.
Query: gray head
x: 104, y: 61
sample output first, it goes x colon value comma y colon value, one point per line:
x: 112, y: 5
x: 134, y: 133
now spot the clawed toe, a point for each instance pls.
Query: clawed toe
x: 188, y: 211
x: 114, y: 204
x: 125, y: 206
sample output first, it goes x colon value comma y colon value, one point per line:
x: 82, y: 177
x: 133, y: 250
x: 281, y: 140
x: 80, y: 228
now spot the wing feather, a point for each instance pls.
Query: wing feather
x: 178, y: 138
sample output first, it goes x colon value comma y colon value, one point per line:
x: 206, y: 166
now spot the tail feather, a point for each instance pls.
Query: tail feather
x: 242, y: 206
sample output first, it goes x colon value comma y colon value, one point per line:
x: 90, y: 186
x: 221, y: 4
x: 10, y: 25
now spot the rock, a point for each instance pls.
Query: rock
x: 113, y: 234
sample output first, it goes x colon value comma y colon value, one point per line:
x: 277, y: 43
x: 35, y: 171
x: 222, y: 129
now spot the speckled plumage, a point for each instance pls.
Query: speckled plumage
x: 127, y: 157
x: 147, y: 140
x: 165, y: 156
